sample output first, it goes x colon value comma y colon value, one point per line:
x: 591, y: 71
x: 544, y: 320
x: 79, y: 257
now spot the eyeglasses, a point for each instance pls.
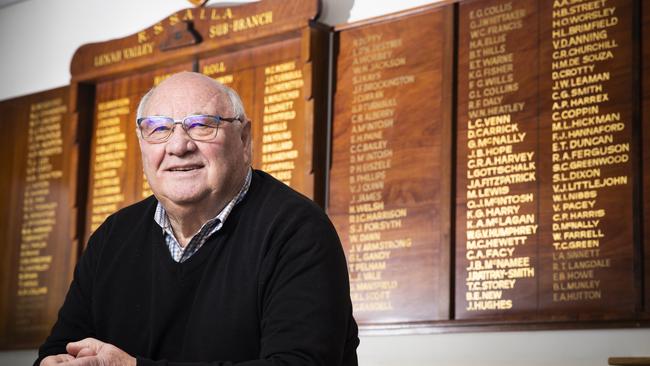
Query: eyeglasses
x: 199, y: 127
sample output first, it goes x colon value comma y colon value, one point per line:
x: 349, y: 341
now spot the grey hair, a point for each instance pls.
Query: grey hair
x: 235, y: 102
x: 143, y: 102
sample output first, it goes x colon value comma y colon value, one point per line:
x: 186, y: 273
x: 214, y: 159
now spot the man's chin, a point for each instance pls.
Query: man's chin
x: 183, y: 198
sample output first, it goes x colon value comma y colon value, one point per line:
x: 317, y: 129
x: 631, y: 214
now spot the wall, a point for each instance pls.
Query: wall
x: 37, y: 41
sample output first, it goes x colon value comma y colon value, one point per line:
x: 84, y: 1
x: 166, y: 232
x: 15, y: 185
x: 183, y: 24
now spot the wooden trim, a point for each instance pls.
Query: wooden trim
x: 629, y: 361
x: 216, y: 28
x: 445, y: 299
x: 393, y: 16
x: 466, y: 326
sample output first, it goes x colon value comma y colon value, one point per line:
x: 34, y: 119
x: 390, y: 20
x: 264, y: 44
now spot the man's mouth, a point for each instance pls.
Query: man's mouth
x: 184, y: 168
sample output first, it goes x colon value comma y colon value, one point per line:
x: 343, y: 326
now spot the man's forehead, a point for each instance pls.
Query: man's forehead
x: 188, y: 93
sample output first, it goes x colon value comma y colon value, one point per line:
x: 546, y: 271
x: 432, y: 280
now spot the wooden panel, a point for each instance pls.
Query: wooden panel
x: 386, y: 189
x: 496, y: 215
x: 39, y: 254
x: 116, y: 179
x: 586, y: 232
x: 545, y: 215
x: 8, y: 115
x: 206, y: 29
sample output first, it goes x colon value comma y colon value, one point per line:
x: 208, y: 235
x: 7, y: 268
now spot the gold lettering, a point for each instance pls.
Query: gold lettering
x: 158, y: 28
x: 253, y: 21
x: 188, y: 15
x: 174, y: 19
x: 142, y: 36
x: 214, y: 68
x: 218, y: 30
x: 45, y: 142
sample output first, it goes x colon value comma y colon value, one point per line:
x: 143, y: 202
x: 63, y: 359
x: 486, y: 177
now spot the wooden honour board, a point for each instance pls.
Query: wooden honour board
x: 36, y: 214
x: 547, y: 168
x: 391, y: 162
x: 545, y: 204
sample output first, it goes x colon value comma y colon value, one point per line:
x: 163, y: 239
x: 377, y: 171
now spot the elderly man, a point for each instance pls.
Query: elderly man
x: 224, y: 265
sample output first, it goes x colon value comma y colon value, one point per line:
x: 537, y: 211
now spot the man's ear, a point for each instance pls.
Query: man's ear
x: 138, y: 134
x: 247, y: 139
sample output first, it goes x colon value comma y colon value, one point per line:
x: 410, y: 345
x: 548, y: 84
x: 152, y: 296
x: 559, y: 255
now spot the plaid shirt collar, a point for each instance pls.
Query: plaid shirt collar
x: 180, y: 254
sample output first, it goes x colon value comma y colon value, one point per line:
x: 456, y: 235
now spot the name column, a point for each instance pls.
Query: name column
x: 497, y: 218
x: 389, y: 183
x: 586, y: 74
x: 41, y: 253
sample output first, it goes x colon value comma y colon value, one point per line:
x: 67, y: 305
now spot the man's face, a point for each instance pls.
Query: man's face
x: 182, y: 171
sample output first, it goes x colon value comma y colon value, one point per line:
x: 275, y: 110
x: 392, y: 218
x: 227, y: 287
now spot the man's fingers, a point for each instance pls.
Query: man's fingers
x: 74, y: 348
x: 56, y: 359
x: 92, y: 352
x: 85, y: 352
x: 85, y: 361
x: 64, y: 358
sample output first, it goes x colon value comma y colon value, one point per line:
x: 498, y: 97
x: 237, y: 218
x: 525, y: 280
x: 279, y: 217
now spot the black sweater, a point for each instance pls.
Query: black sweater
x: 270, y: 288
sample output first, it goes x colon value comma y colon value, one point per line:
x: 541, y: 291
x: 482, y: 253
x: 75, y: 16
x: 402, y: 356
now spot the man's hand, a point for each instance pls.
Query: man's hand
x: 90, y: 352
x: 56, y: 360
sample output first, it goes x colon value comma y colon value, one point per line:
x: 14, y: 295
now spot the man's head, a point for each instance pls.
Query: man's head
x: 185, y: 172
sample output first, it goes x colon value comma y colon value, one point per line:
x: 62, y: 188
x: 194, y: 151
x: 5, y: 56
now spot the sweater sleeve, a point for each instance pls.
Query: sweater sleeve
x: 74, y: 320
x: 307, y: 314
x: 305, y: 310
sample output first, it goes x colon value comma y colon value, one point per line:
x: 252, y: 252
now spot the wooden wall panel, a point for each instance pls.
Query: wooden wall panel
x: 7, y: 117
x: 387, y: 192
x: 39, y: 257
x: 544, y: 167
x: 587, y: 210
x: 496, y: 187
x: 549, y: 156
x: 570, y: 267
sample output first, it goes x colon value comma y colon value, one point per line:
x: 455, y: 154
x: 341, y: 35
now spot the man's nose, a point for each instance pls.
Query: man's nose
x: 179, y: 143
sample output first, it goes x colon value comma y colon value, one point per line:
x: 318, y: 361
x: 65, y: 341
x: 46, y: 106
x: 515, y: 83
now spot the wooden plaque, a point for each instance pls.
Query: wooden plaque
x: 390, y: 181
x: 497, y: 199
x: 37, y: 251
x: 545, y: 216
x: 7, y: 112
x: 587, y: 213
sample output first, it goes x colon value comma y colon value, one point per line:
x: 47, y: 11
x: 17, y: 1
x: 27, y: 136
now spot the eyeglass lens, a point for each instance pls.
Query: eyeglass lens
x: 198, y: 127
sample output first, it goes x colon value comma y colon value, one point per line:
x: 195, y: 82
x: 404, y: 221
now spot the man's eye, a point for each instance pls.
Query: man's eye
x: 157, y: 129
x: 197, y: 125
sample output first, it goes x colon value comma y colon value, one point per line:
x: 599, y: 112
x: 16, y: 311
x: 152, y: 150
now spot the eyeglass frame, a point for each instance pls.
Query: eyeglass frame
x: 181, y: 122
